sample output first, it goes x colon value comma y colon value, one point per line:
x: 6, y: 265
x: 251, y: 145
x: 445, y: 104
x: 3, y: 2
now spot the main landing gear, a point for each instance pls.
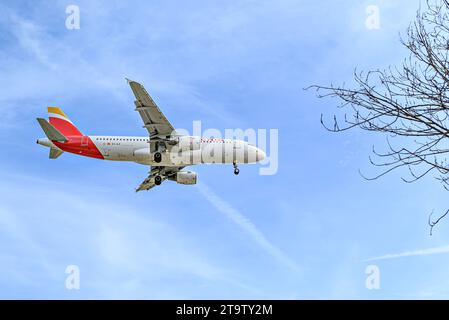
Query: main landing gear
x: 157, y: 180
x: 236, y: 168
x: 157, y: 157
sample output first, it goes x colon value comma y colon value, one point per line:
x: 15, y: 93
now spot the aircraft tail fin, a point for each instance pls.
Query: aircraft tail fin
x: 55, y: 153
x: 50, y: 131
x: 61, y: 122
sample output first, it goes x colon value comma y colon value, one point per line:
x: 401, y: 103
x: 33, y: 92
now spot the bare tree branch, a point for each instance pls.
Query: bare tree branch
x: 409, y: 103
x: 434, y: 223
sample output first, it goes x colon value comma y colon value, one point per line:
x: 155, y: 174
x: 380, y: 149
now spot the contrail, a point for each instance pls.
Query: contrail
x: 422, y: 252
x: 246, y: 225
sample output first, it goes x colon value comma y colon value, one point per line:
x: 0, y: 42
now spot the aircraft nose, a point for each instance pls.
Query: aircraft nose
x: 260, y: 155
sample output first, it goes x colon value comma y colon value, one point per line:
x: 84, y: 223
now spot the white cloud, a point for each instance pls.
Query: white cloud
x: 422, y: 252
x: 121, y: 253
x: 247, y: 226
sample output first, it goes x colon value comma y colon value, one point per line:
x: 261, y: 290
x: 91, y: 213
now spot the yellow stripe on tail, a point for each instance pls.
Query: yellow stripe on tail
x: 58, y: 111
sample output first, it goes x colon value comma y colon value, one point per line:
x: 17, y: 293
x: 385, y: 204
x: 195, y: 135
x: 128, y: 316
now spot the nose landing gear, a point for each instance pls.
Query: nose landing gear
x: 236, y: 168
x: 157, y: 180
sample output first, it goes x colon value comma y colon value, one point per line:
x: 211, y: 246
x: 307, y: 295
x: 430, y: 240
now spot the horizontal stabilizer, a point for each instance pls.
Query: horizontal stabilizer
x: 55, y: 153
x: 50, y: 131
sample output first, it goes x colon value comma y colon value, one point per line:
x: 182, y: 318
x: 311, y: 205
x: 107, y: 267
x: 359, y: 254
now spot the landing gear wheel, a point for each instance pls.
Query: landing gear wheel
x: 157, y: 180
x: 157, y: 157
x: 236, y: 169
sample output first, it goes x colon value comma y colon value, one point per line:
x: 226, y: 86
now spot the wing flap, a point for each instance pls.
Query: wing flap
x: 149, y: 183
x: 154, y: 120
x: 164, y: 172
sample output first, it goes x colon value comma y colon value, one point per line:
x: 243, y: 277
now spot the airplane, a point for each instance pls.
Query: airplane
x: 166, y: 152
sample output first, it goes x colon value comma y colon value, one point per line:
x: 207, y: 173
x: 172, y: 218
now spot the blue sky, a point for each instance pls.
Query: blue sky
x: 305, y: 232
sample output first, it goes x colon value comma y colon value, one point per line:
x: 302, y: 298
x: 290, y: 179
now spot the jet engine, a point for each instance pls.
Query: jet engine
x: 185, y: 177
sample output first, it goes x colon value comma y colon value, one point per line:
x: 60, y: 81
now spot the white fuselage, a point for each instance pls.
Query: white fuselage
x: 180, y: 150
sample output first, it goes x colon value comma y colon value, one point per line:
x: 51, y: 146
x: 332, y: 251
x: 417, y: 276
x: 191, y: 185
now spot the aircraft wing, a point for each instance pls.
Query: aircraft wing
x: 164, y: 172
x: 154, y: 120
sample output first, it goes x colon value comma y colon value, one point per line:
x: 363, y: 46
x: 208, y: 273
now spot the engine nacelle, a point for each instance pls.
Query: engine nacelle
x: 185, y: 177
